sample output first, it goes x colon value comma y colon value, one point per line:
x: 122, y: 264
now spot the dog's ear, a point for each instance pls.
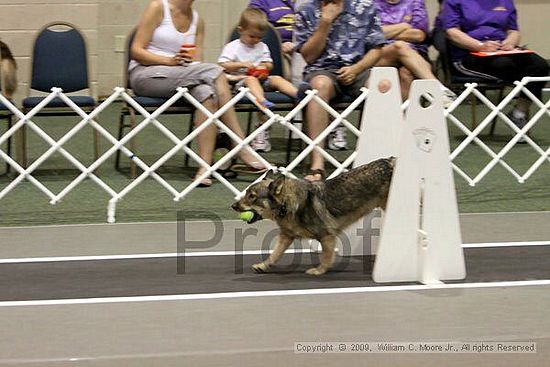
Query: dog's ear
x: 276, y: 186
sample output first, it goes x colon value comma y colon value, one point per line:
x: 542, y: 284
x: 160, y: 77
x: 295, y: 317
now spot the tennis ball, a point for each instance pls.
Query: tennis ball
x: 246, y: 216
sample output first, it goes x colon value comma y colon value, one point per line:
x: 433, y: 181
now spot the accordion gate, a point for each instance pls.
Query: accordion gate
x: 472, y: 136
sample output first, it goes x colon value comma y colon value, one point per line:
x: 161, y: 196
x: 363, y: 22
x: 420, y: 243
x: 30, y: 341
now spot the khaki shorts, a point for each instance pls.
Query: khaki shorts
x: 162, y: 80
x: 352, y: 90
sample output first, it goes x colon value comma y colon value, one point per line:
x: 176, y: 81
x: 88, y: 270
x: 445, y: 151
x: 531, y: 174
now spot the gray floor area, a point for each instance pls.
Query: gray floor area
x: 262, y: 330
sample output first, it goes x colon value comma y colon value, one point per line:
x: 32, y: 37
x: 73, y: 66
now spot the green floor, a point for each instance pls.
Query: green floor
x: 87, y: 203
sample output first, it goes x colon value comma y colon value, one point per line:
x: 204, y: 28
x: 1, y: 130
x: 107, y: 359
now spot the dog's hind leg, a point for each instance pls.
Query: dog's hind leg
x: 283, y: 242
x: 327, y: 256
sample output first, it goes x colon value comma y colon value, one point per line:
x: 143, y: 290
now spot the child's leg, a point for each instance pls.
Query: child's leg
x: 282, y: 85
x: 255, y: 87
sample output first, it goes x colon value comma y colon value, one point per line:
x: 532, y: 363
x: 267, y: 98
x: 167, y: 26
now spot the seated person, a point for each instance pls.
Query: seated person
x: 478, y: 25
x: 280, y: 13
x: 245, y: 59
x: 8, y: 71
x: 340, y: 41
x: 405, y: 25
x: 160, y: 65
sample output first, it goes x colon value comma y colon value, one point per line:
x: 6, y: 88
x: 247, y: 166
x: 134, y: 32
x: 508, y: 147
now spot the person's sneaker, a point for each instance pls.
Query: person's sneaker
x: 337, y: 139
x: 261, y: 142
x: 448, y: 97
x: 267, y: 104
x: 520, y: 120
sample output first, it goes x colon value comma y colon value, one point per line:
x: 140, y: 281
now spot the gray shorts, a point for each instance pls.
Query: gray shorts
x: 266, y: 85
x: 162, y: 80
x: 352, y: 90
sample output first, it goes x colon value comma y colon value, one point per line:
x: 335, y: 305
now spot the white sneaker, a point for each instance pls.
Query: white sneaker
x: 448, y: 97
x: 261, y: 142
x: 519, y: 122
x: 337, y: 139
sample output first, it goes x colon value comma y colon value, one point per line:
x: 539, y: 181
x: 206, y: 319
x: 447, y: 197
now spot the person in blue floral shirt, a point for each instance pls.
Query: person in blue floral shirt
x: 340, y: 40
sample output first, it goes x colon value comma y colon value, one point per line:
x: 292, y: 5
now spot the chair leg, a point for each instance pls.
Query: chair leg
x: 494, y: 122
x: 8, y: 167
x: 96, y: 147
x: 289, y: 147
x: 300, y: 141
x: 191, y: 120
x: 133, y: 170
x: 21, y: 144
x: 120, y: 132
x: 249, y: 124
x: 474, y: 114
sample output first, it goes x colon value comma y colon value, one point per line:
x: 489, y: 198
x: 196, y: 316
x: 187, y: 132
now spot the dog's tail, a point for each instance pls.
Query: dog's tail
x: 8, y: 71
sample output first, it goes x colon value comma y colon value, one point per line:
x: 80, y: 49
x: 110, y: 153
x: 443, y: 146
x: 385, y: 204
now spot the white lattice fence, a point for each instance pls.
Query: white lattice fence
x: 213, y: 118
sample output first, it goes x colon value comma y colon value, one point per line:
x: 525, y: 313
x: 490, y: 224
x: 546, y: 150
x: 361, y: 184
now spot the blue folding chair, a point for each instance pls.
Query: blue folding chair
x: 59, y: 59
x: 150, y: 104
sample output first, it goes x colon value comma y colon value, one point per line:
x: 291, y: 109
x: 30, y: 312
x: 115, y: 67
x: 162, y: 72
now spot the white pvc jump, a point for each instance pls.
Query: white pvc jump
x: 420, y: 238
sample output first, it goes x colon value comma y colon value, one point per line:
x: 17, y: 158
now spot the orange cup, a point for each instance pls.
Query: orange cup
x: 261, y: 72
x: 189, y: 48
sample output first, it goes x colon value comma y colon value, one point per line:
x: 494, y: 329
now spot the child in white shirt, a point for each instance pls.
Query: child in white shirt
x: 247, y: 61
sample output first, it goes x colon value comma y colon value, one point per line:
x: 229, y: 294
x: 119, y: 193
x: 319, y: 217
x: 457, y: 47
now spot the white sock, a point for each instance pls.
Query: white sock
x: 517, y: 113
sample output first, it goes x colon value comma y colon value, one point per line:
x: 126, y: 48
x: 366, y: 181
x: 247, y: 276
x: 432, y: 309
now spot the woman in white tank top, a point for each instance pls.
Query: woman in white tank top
x: 159, y: 67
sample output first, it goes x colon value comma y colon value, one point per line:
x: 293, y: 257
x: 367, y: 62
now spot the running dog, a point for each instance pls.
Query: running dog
x: 319, y: 210
x: 8, y: 67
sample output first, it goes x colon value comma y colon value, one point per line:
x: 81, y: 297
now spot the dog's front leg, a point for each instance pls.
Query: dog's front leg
x: 283, y: 242
x: 327, y: 256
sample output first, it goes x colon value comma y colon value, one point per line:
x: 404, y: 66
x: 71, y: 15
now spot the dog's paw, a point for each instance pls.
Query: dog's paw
x: 260, y: 268
x: 316, y: 271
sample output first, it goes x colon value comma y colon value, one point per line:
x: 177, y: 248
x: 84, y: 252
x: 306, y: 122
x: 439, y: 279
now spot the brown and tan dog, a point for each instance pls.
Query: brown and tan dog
x: 319, y: 210
x: 8, y: 68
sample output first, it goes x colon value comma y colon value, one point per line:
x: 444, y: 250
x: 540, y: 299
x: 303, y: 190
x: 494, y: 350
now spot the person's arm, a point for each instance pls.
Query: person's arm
x: 392, y: 31
x: 234, y: 66
x: 418, y: 30
x: 452, y: 19
x: 199, y: 41
x: 511, y: 41
x: 462, y: 40
x: 348, y: 74
x: 315, y: 45
x: 413, y: 35
x: 150, y: 20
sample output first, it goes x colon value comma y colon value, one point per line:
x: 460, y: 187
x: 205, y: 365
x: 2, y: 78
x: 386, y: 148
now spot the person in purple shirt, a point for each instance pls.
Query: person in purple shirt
x: 405, y: 20
x: 280, y: 13
x: 405, y: 25
x: 491, y: 25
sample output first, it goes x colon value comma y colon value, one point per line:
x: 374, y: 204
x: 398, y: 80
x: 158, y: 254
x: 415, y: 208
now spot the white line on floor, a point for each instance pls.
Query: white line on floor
x: 143, y: 256
x: 226, y: 253
x: 297, y: 292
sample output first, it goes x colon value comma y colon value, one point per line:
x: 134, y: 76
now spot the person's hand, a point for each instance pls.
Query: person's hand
x: 331, y: 9
x: 347, y: 75
x: 287, y: 47
x: 261, y: 72
x: 183, y: 57
x: 507, y: 45
x: 490, y: 46
x: 247, y: 65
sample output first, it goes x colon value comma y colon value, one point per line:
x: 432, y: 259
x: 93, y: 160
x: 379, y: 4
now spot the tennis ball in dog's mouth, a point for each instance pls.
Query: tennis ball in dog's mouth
x: 246, y: 216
